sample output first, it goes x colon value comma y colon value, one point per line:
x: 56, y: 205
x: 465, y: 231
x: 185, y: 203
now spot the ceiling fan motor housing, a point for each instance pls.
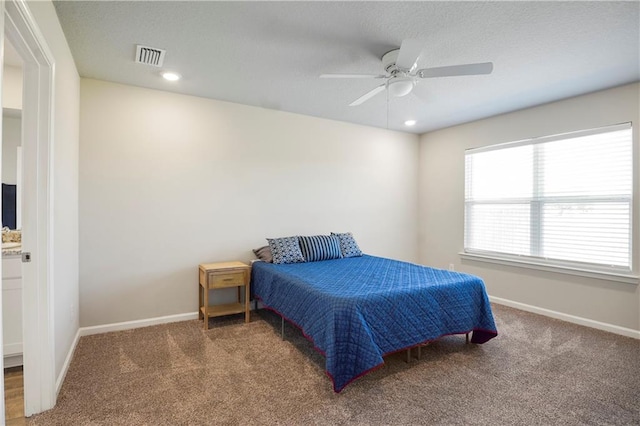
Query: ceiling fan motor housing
x: 400, y: 83
x: 389, y: 61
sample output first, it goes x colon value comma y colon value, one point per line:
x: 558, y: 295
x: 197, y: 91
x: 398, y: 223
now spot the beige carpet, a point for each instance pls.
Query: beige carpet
x: 537, y: 371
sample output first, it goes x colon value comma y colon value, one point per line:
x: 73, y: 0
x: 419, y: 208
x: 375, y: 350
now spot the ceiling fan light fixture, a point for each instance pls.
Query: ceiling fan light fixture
x: 400, y: 86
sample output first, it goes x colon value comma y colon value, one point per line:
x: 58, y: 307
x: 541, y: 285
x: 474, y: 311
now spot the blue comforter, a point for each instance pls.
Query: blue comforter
x: 356, y: 310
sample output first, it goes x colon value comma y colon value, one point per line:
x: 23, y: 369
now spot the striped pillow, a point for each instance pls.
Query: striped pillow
x: 320, y: 247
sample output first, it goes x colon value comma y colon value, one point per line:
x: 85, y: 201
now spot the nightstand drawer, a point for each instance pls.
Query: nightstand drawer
x: 232, y: 279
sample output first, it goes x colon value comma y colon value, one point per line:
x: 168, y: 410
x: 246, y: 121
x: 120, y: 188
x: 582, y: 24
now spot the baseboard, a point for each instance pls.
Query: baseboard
x: 628, y: 332
x: 12, y: 349
x: 128, y: 325
x: 12, y: 360
x: 67, y: 363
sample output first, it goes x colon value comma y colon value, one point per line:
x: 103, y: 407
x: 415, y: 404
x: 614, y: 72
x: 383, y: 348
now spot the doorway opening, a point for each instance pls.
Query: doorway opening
x: 18, y: 26
x: 12, y: 81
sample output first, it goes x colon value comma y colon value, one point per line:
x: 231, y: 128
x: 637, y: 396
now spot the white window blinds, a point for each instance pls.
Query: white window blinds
x: 558, y: 199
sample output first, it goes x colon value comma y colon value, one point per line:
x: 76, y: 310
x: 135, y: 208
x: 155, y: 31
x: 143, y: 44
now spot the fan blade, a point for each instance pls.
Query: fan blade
x: 455, y: 70
x: 362, y: 99
x: 352, y: 76
x: 409, y: 53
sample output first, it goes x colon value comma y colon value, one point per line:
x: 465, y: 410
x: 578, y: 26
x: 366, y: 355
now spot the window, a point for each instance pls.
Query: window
x: 559, y: 200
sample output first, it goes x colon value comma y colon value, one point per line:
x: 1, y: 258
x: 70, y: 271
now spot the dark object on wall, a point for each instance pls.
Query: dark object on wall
x: 9, y: 205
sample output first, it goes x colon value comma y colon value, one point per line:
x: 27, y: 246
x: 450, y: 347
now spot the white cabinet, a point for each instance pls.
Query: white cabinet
x: 12, y: 309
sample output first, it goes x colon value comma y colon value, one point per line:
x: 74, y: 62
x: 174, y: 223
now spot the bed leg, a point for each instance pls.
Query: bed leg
x: 282, y: 327
x: 419, y: 352
x: 408, y: 355
x: 466, y: 338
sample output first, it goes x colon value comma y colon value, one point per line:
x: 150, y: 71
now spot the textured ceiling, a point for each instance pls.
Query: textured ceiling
x: 270, y: 54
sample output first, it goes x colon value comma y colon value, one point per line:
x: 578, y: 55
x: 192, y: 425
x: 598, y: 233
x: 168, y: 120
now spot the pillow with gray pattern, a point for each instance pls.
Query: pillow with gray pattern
x: 348, y: 244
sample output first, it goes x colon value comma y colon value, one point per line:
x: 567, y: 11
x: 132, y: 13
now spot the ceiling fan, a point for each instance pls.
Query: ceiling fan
x: 401, y: 73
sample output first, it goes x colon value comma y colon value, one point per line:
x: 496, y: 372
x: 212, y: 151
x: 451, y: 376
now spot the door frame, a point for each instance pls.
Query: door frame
x: 21, y: 29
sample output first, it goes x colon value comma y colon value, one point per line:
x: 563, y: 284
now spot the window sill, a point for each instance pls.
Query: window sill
x: 602, y: 275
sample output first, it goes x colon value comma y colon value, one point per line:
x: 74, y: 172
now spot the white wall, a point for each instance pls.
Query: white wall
x: 169, y: 181
x: 64, y: 180
x: 11, y: 126
x: 12, y: 87
x: 441, y: 206
x: 11, y: 129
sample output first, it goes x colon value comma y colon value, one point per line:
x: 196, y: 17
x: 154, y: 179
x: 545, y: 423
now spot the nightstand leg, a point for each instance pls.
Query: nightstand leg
x: 206, y: 308
x: 200, y: 288
x: 247, y: 306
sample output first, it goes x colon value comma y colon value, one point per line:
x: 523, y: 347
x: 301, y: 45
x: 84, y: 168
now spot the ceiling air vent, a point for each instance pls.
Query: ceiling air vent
x: 149, y: 55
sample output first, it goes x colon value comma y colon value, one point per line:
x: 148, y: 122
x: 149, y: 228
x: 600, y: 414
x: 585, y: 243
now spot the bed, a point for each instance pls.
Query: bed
x: 357, y: 310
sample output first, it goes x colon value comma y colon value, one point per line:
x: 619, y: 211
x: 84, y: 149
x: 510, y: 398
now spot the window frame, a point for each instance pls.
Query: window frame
x: 592, y: 270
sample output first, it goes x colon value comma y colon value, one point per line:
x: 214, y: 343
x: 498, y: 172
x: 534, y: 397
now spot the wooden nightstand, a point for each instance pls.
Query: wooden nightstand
x: 223, y: 275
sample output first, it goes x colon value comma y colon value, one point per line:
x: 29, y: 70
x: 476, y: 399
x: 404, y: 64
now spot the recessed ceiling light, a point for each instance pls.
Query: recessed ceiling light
x: 410, y: 123
x: 171, y: 76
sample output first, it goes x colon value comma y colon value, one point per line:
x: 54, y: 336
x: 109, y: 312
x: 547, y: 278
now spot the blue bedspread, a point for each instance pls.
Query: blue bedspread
x: 355, y: 310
